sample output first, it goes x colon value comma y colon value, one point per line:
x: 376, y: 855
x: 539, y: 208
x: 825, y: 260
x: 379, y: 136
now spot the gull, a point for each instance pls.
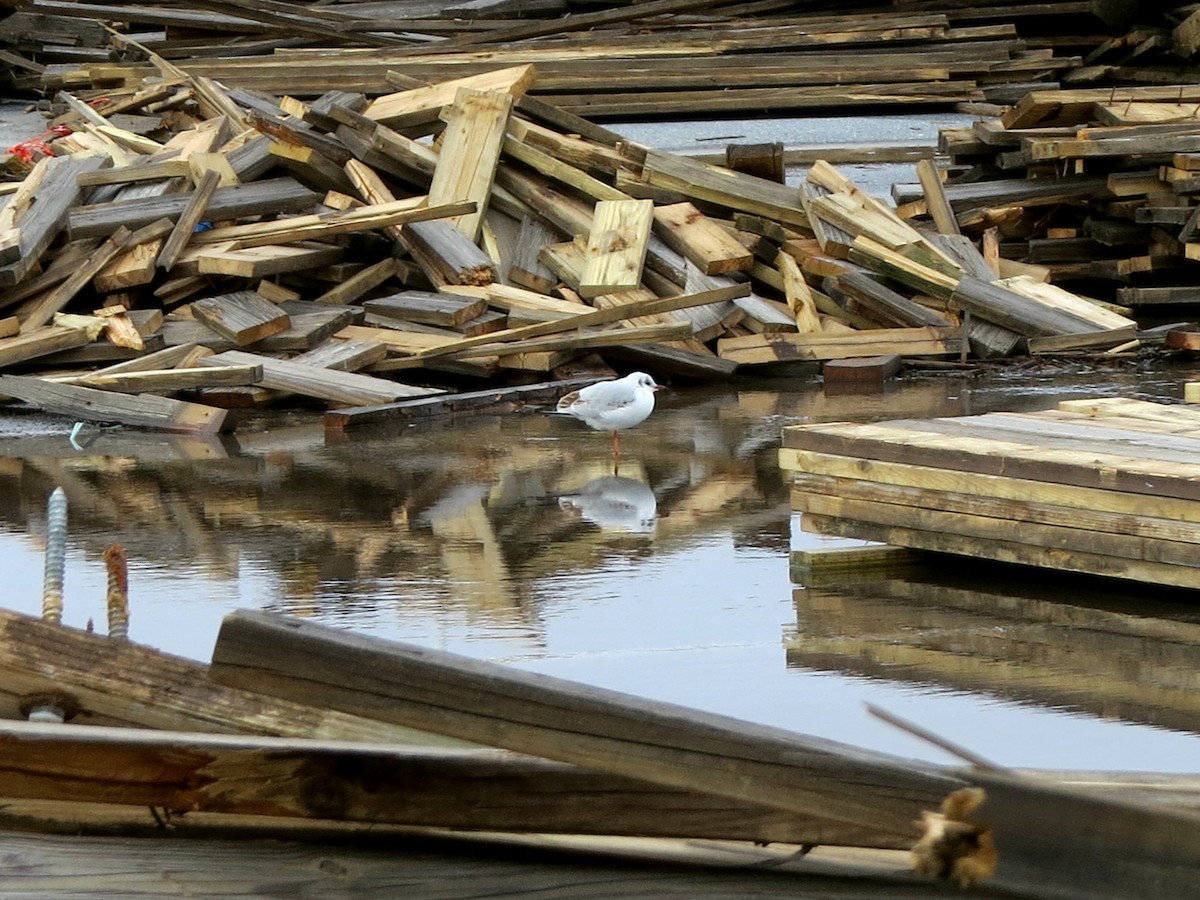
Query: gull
x: 612, y: 405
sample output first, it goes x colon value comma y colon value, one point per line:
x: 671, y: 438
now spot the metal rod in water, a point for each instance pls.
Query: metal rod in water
x: 118, y: 592
x: 56, y: 556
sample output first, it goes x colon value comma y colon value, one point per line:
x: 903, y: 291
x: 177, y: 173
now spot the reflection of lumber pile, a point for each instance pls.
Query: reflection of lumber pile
x: 1106, y: 487
x: 1025, y: 640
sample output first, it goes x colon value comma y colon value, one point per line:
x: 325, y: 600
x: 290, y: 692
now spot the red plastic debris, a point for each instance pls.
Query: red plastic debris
x: 35, y: 148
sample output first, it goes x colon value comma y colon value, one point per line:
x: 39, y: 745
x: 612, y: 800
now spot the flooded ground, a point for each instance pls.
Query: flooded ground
x: 508, y: 538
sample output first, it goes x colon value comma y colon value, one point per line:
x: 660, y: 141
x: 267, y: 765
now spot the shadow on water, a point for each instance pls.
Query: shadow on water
x: 511, y: 538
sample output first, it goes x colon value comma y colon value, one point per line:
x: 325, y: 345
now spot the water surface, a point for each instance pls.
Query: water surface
x: 509, y: 538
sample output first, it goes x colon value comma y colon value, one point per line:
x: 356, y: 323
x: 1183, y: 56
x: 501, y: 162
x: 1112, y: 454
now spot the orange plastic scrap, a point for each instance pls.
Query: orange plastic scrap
x: 36, y: 148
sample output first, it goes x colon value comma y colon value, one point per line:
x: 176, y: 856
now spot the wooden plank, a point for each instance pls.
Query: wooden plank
x: 189, y: 218
x: 272, y: 195
x: 616, y: 247
x: 165, y: 381
x: 423, y: 104
x: 1021, y: 521
x: 242, y: 316
x: 782, y: 347
x: 40, y: 342
x: 347, y: 388
x: 426, y: 307
x: 89, y: 404
x: 126, y: 683
x: 700, y: 239
x: 470, y: 150
x: 671, y: 745
x: 558, y: 719
x: 732, y: 190
x: 416, y: 786
x: 259, y: 262
x: 1124, y: 466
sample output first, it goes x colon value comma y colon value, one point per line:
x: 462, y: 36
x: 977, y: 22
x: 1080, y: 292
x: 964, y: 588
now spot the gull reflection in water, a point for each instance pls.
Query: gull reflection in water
x: 614, y: 503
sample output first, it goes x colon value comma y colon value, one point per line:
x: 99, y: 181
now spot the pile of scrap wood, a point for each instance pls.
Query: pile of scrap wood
x: 1092, y: 186
x: 665, y: 57
x: 249, y: 249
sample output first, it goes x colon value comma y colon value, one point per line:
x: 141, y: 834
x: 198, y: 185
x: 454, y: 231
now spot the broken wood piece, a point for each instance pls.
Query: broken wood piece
x: 799, y: 295
x: 242, y: 316
x: 446, y: 254
x: 37, y: 313
x: 713, y: 249
x: 189, y: 219
x: 470, y: 149
x: 92, y: 405
x: 616, y: 247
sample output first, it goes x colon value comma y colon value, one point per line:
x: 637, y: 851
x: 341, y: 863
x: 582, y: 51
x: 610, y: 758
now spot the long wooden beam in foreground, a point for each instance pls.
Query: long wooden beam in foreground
x: 558, y: 719
x: 367, y: 783
x: 1052, y: 841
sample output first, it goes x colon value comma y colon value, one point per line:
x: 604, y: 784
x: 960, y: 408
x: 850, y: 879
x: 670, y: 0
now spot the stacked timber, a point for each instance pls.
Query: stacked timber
x: 669, y: 57
x: 1094, y: 187
x: 1105, y: 487
x: 242, y: 250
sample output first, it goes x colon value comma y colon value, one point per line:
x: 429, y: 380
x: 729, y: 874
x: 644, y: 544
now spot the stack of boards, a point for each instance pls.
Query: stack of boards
x: 1107, y: 487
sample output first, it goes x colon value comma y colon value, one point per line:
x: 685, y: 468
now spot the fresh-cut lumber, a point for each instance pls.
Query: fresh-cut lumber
x: 616, y: 247
x: 711, y: 247
x: 470, y: 149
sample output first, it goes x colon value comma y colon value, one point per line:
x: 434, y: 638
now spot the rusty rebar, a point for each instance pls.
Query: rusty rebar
x: 56, y: 556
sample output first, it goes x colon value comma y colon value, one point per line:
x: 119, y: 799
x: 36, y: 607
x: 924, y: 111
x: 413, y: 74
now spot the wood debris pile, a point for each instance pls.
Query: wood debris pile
x: 1096, y: 188
x: 249, y: 250
x: 665, y: 57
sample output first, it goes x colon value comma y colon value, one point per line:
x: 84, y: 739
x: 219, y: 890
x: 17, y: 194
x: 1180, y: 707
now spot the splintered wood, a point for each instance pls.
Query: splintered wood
x: 1106, y: 487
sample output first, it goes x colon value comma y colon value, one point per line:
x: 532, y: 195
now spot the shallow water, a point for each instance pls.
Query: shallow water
x: 508, y: 538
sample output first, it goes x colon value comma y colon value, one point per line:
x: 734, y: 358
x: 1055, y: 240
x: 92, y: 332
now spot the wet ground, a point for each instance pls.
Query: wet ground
x: 508, y: 538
